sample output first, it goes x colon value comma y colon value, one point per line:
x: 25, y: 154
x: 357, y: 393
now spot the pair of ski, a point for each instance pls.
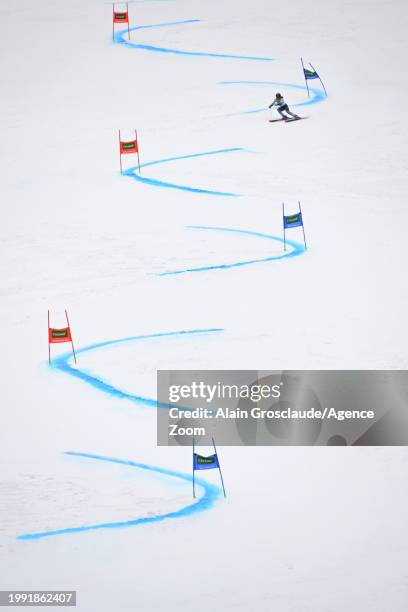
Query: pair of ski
x: 288, y: 120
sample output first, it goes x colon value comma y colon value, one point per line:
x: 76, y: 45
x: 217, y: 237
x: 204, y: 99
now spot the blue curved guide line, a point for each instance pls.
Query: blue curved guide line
x: 210, y: 494
x: 317, y: 95
x: 63, y: 363
x: 134, y: 174
x: 297, y: 249
x: 120, y: 38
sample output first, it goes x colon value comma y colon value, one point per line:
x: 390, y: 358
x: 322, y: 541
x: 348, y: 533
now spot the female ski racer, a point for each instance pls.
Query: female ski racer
x: 282, y: 107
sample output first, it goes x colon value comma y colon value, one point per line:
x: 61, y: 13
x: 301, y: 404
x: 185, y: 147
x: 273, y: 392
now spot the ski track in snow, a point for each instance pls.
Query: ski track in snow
x: 205, y: 502
x: 63, y: 363
x: 133, y: 173
x: 297, y: 249
x: 210, y: 492
x: 120, y: 38
x: 316, y: 94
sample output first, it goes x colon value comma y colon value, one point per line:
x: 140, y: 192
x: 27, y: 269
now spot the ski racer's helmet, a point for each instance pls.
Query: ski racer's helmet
x: 278, y: 95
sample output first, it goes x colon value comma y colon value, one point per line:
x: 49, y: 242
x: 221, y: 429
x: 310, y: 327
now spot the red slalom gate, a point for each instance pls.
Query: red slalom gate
x: 58, y: 335
x: 120, y: 17
x: 129, y: 147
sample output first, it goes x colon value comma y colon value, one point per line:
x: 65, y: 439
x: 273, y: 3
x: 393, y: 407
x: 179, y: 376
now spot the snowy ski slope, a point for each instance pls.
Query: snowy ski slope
x: 182, y: 266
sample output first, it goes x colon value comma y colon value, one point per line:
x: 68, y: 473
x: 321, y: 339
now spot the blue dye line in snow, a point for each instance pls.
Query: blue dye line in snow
x: 297, y: 249
x: 317, y: 95
x: 210, y: 495
x: 134, y: 174
x: 121, y: 39
x: 63, y: 363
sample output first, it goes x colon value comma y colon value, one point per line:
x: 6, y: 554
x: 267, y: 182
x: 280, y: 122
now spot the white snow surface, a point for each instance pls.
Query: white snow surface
x: 302, y: 529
